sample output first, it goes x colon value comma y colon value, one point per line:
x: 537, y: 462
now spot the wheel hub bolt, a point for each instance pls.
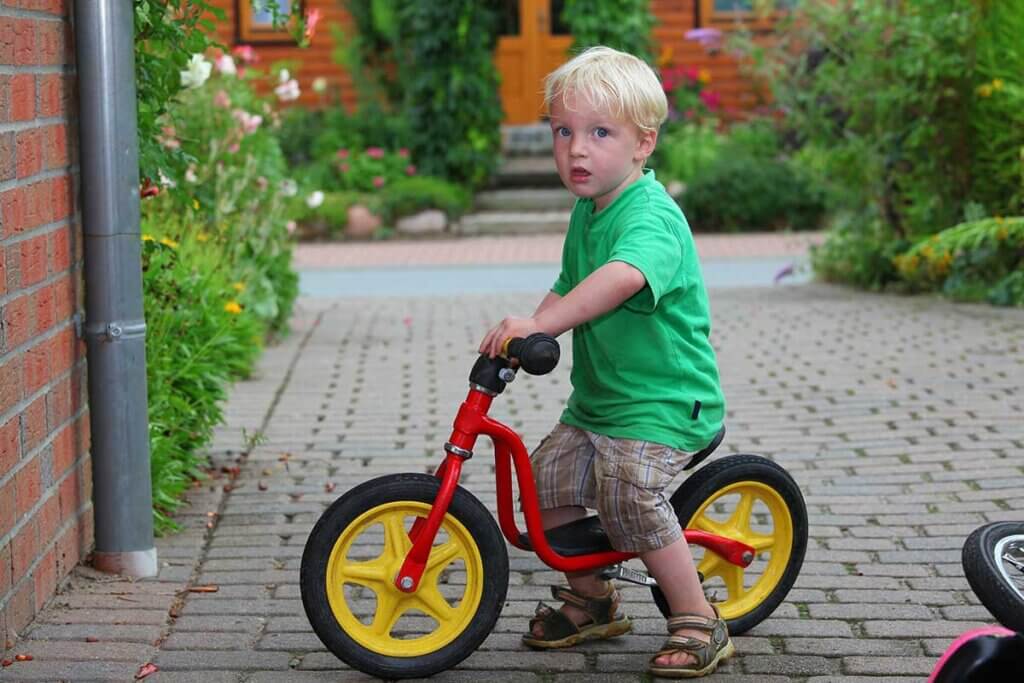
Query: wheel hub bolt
x: 748, y: 557
x: 406, y: 582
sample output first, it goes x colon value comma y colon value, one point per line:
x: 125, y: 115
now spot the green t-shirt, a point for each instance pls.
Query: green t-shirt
x: 646, y: 369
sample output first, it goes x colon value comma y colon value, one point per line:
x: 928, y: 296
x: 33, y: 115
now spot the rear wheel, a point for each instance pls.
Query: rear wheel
x: 353, y: 555
x: 753, y: 500
x: 993, y: 560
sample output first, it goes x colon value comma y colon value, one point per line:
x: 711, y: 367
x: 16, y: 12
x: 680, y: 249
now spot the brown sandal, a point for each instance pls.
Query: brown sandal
x: 604, y: 620
x: 708, y: 655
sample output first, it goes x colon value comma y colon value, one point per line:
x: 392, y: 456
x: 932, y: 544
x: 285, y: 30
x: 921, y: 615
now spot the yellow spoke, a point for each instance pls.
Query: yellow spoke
x: 705, y: 523
x: 711, y: 565
x: 363, y: 573
x: 396, y: 540
x: 740, y: 519
x: 389, y: 609
x: 434, y: 604
x: 733, y: 578
x: 442, y: 555
x: 760, y: 542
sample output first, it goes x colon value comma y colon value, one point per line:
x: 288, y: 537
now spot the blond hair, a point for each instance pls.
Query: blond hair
x: 614, y: 81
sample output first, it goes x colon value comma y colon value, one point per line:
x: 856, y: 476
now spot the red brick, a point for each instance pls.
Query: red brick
x: 58, y: 407
x: 37, y: 369
x: 24, y: 548
x: 60, y: 250
x: 12, y: 211
x: 43, y: 305
x: 63, y: 298
x: 58, y: 7
x: 49, y: 519
x: 8, y: 513
x: 45, y: 577
x: 40, y: 202
x: 68, y: 550
x: 5, y: 570
x: 51, y: 94
x: 59, y: 198
x: 64, y: 453
x: 17, y: 321
x: 51, y: 50
x: 18, y: 42
x: 33, y: 424
x: 8, y: 158
x: 56, y: 147
x: 23, y: 97
x: 21, y: 608
x: 3, y: 269
x: 10, y: 384
x: 27, y: 486
x: 30, y: 152
x: 34, y: 260
x: 10, y: 448
x: 62, y: 350
x: 69, y: 493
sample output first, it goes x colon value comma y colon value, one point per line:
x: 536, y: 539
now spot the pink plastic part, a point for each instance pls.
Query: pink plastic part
x: 963, y: 638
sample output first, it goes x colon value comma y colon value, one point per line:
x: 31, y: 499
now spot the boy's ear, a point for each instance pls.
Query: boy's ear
x: 645, y: 144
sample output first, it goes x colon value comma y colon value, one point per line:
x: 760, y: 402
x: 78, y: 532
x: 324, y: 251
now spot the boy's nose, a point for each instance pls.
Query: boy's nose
x: 577, y: 147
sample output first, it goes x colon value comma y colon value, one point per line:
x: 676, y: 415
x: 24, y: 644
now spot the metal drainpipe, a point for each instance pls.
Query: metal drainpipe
x: 115, y: 331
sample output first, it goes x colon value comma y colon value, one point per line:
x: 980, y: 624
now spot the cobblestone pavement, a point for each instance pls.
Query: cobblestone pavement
x: 899, y: 417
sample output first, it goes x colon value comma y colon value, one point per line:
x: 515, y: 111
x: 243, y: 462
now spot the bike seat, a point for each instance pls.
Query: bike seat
x: 701, y: 455
x: 582, y: 537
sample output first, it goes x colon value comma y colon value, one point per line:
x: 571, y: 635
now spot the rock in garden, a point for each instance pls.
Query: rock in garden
x: 424, y: 222
x: 361, y: 222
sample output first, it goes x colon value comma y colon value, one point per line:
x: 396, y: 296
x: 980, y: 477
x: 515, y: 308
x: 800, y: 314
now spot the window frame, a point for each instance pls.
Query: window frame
x: 710, y: 17
x: 251, y: 34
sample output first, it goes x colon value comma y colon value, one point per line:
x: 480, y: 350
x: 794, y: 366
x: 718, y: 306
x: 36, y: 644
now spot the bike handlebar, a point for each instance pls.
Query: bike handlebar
x: 537, y: 354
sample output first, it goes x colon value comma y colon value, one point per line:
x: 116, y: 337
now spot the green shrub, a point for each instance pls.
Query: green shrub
x: 977, y: 260
x: 746, y: 193
x: 684, y: 149
x: 411, y: 195
x: 859, y: 251
x: 624, y: 25
x: 201, y: 333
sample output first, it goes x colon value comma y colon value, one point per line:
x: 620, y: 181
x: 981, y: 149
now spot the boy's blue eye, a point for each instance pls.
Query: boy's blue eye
x: 563, y: 131
x: 601, y: 132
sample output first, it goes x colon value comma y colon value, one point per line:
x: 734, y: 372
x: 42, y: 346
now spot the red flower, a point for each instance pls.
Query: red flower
x: 313, y: 17
x: 246, y: 53
x: 711, y: 100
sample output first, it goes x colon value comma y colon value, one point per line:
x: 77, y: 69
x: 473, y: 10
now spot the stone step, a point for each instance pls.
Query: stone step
x: 524, y: 199
x: 531, y: 171
x: 512, y: 223
x: 529, y: 140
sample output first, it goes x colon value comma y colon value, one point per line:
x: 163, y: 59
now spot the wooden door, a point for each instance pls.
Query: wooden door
x: 533, y: 43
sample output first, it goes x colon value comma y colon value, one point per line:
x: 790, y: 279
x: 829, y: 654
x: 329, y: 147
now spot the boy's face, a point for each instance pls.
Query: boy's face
x: 597, y: 154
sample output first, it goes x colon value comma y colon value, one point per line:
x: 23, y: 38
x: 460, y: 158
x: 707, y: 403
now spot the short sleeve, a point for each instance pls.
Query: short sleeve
x: 653, y: 248
x: 561, y: 286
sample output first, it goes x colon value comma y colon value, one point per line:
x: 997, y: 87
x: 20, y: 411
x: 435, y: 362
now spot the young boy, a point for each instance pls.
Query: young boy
x: 646, y: 391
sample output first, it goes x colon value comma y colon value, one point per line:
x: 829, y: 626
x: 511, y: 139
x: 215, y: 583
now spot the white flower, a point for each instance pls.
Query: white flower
x: 190, y: 175
x: 315, y: 199
x: 319, y: 84
x: 291, y: 226
x: 284, y: 76
x: 288, y: 90
x: 226, y: 65
x: 197, y: 73
x: 165, y: 181
x: 289, y: 188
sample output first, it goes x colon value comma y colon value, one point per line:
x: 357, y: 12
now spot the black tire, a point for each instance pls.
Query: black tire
x: 707, y: 483
x: 997, y: 583
x: 382, y: 494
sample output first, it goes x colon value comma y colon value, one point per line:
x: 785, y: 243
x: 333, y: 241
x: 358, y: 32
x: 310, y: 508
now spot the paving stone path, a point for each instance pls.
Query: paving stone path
x: 899, y: 417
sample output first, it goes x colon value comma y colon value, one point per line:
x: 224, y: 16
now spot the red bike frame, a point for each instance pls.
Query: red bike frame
x: 472, y: 421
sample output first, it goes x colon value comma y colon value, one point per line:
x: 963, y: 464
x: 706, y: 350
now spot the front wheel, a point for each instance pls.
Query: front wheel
x: 353, y: 555
x: 750, y: 499
x: 993, y: 560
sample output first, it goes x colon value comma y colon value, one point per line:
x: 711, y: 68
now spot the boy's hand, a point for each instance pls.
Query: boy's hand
x: 509, y: 327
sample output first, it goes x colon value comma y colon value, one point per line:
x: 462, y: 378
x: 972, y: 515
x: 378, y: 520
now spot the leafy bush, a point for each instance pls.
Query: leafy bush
x: 201, y: 334
x: 746, y: 193
x: 372, y: 168
x: 407, y: 196
x: 976, y: 260
x: 684, y: 150
x: 624, y: 25
x: 859, y: 250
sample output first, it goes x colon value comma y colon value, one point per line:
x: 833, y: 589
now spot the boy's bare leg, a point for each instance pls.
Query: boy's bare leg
x: 673, y: 569
x: 585, y: 583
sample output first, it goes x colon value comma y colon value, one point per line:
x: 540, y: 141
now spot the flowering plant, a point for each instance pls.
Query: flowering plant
x: 371, y: 169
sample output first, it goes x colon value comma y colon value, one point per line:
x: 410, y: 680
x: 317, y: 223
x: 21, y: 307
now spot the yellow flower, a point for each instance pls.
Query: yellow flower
x: 665, y: 58
x: 168, y: 242
x: 203, y: 237
x: 927, y: 252
x: 233, y: 307
x: 704, y: 76
x: 195, y: 204
x: 147, y: 238
x: 985, y: 90
x: 239, y: 287
x: 997, y: 84
x: 1002, y: 234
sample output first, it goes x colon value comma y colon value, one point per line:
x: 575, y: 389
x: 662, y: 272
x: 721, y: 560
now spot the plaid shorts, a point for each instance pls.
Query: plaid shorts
x: 623, y: 479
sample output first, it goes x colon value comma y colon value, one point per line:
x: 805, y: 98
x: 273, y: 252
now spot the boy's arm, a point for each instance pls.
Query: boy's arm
x: 604, y: 289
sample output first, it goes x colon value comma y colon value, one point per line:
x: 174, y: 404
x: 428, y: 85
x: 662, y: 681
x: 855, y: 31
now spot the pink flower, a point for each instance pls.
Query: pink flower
x: 262, y: 183
x: 168, y: 138
x: 403, y: 152
x: 343, y: 154
x: 222, y: 99
x: 375, y: 152
x: 291, y: 226
x: 410, y: 169
x: 313, y: 17
x: 692, y: 74
x: 249, y: 122
x: 711, y: 100
x: 246, y: 53
x: 378, y: 181
x: 344, y: 167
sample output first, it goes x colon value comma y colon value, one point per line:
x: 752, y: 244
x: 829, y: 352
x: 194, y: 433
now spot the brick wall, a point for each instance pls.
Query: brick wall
x: 45, y: 473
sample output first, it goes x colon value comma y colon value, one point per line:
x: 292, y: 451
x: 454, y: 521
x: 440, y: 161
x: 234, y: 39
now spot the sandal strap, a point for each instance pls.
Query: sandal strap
x: 554, y: 623
x: 681, y: 620
x: 601, y: 609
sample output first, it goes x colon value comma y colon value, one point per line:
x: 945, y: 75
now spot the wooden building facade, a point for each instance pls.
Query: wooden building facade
x: 533, y: 43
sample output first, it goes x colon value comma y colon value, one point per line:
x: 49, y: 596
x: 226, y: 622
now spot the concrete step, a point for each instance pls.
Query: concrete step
x: 524, y: 199
x: 512, y: 223
x: 529, y: 140
x: 530, y: 171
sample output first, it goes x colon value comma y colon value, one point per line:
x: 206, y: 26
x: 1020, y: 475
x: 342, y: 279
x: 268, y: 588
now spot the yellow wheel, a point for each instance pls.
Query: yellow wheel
x: 753, y: 500
x: 353, y: 555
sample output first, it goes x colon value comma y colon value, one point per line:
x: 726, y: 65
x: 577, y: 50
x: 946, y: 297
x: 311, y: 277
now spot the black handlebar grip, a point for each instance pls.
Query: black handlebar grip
x: 537, y: 354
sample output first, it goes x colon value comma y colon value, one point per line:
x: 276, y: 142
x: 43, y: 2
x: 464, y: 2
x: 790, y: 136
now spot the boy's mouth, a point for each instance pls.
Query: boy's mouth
x: 578, y: 173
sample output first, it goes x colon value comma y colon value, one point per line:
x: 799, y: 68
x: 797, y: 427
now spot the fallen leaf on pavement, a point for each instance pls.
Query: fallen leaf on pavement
x: 23, y: 658
x: 92, y: 639
x: 204, y: 589
x: 262, y: 486
x: 6, y: 663
x: 146, y: 670
x: 329, y: 487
